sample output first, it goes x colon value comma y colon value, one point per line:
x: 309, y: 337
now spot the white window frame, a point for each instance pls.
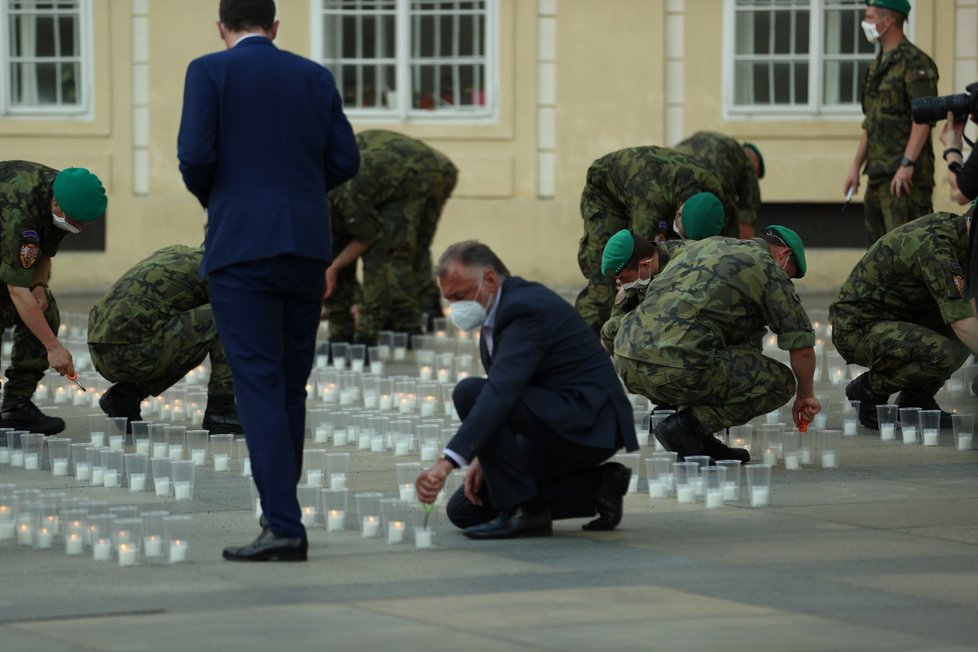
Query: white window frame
x: 86, y: 67
x: 814, y: 107
x: 403, y: 111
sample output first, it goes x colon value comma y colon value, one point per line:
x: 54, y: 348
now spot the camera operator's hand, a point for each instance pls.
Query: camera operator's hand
x: 952, y: 134
x: 901, y: 181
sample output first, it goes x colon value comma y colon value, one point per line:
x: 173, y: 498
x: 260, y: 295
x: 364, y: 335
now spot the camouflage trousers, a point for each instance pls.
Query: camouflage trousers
x: 28, y: 358
x: 901, y: 355
x: 166, y: 355
x: 883, y: 212
x: 741, y: 384
x: 398, y: 279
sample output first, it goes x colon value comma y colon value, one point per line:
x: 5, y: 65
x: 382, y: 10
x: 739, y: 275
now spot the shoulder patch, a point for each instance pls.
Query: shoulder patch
x: 29, y: 253
x: 958, y: 284
x: 31, y: 234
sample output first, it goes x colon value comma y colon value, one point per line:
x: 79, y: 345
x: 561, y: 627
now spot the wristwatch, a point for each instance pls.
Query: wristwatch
x: 449, y: 460
x: 906, y: 163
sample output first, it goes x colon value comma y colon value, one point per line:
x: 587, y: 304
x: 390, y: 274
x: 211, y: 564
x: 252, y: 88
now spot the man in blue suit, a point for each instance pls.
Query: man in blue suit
x: 535, y: 432
x: 262, y: 139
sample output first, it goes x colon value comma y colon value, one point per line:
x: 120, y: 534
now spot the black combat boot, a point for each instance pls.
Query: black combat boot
x: 123, y: 400
x: 681, y: 433
x: 925, y: 401
x: 19, y: 413
x: 720, y: 451
x: 858, y: 390
x: 221, y: 416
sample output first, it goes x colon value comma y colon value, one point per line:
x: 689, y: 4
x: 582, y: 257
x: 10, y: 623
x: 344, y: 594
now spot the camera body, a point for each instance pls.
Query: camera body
x: 928, y: 110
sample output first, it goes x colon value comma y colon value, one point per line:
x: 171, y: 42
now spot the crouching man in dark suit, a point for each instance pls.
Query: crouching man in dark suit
x: 535, y: 431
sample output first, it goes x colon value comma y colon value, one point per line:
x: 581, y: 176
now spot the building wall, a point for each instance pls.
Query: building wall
x: 578, y: 78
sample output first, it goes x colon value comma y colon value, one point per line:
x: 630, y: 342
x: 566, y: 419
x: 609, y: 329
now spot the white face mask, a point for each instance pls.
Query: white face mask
x: 469, y: 315
x: 64, y: 224
x: 639, y: 282
x: 872, y: 34
x: 675, y: 227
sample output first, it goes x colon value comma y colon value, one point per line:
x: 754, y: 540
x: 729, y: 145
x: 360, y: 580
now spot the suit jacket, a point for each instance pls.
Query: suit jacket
x: 262, y: 139
x: 545, y: 355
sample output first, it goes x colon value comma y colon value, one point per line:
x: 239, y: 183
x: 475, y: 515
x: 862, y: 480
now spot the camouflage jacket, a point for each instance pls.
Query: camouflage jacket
x: 715, y: 293
x: 892, y: 80
x: 913, y: 273
x: 647, y: 183
x: 149, y: 295
x: 730, y: 164
x: 27, y: 232
x: 389, y: 164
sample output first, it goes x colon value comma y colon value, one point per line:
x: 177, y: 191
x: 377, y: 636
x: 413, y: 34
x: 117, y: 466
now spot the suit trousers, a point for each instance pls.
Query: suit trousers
x: 527, y: 464
x: 267, y: 315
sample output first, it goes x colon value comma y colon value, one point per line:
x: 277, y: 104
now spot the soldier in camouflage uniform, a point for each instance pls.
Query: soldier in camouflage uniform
x: 902, y: 313
x: 387, y: 214
x: 154, y: 326
x: 737, y: 167
x: 38, y: 207
x: 641, y: 188
x: 695, y: 340
x: 897, y: 153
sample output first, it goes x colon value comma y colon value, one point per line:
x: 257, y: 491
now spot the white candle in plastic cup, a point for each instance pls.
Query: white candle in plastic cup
x: 334, y: 520
x: 159, y: 450
x: 371, y: 525
x: 142, y: 446
x: 791, y: 461
x: 964, y: 442
x: 731, y: 491
x: 308, y: 516
x: 909, y: 434
x: 829, y: 460
x: 322, y: 435
x: 770, y: 457
x: 930, y: 437
x: 102, y: 551
x: 17, y: 458
x: 386, y: 402
x: 806, y: 456
x: 759, y: 496
x: 98, y: 439
x: 340, y: 438
x: 59, y: 467
x: 363, y: 443
x: 246, y: 467
x: 377, y: 445
x: 152, y: 546
x: 401, y: 449
x: 337, y: 481
x: 176, y: 452
x: 98, y: 476
x: 45, y: 537
x: 400, y: 352
x: 162, y: 486
x: 407, y: 493
x: 222, y: 462
x: 82, y: 471
x: 657, y: 489
x: 137, y: 482
x: 370, y: 400
x: 181, y: 490
x: 32, y: 462
x: 444, y: 376
x: 685, y: 494
x: 199, y: 456
x: 377, y: 367
x: 395, y: 532
x: 314, y: 477
x: 849, y: 427
x: 74, y: 544
x: 422, y: 538
x: 714, y: 499
x: 116, y: 442
x: 110, y: 479
x: 127, y: 555
x: 428, y: 408
x: 178, y: 551
x: 356, y: 365
x: 7, y: 530
x: 25, y: 535
x: 4, y: 456
x: 428, y: 452
x: 887, y: 431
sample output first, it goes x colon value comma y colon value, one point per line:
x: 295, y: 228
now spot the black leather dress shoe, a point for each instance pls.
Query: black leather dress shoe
x: 512, y: 525
x: 611, y: 488
x: 268, y: 547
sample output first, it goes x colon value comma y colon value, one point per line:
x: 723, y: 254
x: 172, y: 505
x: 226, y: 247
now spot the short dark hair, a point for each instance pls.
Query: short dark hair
x: 472, y: 253
x: 242, y: 15
x: 898, y: 18
x: 643, y: 249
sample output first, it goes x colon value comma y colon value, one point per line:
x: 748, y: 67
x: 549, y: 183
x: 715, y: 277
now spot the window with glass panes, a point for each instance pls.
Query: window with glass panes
x: 43, y: 54
x: 798, y: 56
x: 410, y: 58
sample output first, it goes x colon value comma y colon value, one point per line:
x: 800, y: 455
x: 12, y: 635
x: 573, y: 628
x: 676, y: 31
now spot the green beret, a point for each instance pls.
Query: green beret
x: 760, y: 159
x: 617, y: 253
x: 901, y: 6
x: 794, y: 243
x: 80, y: 194
x: 702, y: 216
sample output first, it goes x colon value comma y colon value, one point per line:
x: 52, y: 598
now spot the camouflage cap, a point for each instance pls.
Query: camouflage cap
x: 80, y: 194
x: 702, y: 216
x: 793, y: 241
x: 617, y: 253
x: 900, y: 6
x: 760, y: 159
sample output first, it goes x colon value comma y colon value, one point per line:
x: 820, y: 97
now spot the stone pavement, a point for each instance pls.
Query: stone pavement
x: 879, y: 554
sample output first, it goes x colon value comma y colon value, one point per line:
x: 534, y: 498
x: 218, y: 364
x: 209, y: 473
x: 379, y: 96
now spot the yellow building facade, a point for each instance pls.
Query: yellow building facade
x: 563, y: 82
